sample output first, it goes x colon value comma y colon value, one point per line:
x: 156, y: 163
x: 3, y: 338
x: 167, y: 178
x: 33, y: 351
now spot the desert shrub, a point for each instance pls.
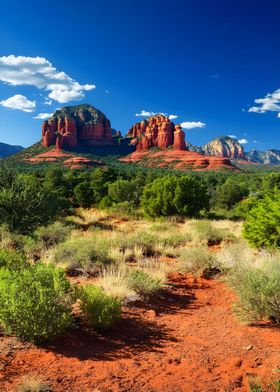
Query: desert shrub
x: 198, y: 261
x: 258, y: 290
x: 142, y: 283
x: 81, y: 253
x: 53, y: 234
x: 99, y: 309
x: 32, y: 383
x: 114, y: 282
x: 262, y: 228
x: 10, y: 240
x: 11, y: 259
x: 205, y: 232
x: 35, y: 303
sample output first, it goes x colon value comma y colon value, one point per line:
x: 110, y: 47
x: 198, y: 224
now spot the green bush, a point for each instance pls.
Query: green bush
x: 258, y: 290
x: 82, y: 253
x: 35, y: 303
x: 11, y: 259
x: 142, y: 283
x: 53, y: 234
x: 99, y: 309
x: 262, y: 228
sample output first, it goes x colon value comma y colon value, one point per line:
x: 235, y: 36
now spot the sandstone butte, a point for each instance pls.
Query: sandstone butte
x: 77, y: 125
x: 158, y: 131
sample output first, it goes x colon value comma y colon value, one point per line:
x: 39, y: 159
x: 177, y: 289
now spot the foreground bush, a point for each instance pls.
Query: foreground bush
x: 100, y: 310
x: 11, y: 259
x: 142, y: 283
x: 262, y: 228
x: 258, y: 290
x: 35, y: 303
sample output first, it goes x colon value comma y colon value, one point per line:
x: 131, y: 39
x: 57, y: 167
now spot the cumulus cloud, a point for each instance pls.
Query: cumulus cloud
x: 43, y: 116
x: 278, y: 115
x: 270, y: 103
x: 39, y: 72
x: 192, y: 124
x: 243, y: 141
x: 172, y: 116
x: 19, y: 102
x: 233, y: 136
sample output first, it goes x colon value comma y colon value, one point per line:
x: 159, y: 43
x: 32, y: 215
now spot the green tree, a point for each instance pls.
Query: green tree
x: 184, y: 195
x: 84, y: 194
x: 26, y: 204
x: 262, y: 227
x: 121, y: 191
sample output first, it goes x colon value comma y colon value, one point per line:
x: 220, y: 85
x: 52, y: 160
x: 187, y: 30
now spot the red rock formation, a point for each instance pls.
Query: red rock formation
x: 157, y: 131
x: 74, y: 125
x: 179, y: 138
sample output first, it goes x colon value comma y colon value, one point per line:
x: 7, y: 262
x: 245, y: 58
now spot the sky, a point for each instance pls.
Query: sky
x: 211, y: 65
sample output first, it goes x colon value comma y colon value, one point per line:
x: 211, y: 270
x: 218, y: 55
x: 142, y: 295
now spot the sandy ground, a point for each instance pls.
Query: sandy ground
x: 186, y: 339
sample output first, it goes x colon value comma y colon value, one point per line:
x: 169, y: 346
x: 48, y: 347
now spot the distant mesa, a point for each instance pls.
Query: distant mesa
x: 73, y: 126
x: 157, y: 131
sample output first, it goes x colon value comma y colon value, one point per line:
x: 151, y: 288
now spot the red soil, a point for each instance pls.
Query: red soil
x: 178, y: 159
x: 187, y: 339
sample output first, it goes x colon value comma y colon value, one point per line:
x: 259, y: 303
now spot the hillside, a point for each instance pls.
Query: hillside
x: 7, y: 150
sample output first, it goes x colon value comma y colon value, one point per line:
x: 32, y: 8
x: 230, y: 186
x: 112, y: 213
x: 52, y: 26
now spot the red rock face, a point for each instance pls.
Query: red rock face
x: 76, y: 125
x: 179, y: 138
x: 157, y: 131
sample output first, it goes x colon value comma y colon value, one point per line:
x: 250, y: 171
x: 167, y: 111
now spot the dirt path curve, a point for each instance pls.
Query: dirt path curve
x: 187, y: 340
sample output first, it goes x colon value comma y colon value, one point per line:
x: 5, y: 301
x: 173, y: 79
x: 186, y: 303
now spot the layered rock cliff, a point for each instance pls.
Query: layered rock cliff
x: 77, y: 125
x: 223, y: 146
x: 157, y: 131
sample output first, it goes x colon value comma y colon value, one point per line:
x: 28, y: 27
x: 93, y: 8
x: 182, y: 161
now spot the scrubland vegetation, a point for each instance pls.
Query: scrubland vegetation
x: 123, y: 234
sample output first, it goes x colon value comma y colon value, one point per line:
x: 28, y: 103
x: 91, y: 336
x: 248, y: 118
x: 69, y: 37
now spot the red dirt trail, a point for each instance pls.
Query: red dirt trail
x: 185, y: 340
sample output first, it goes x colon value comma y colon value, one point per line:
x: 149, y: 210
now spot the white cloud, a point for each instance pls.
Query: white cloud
x: 270, y: 103
x: 43, y: 116
x: 243, y: 141
x: 39, y: 72
x: 233, y: 136
x: 278, y: 115
x: 172, y: 116
x: 192, y: 124
x: 145, y: 113
x: 19, y: 102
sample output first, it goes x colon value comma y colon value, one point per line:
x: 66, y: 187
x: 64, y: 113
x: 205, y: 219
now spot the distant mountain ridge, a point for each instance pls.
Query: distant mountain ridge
x: 6, y: 150
x: 222, y: 146
x: 268, y: 157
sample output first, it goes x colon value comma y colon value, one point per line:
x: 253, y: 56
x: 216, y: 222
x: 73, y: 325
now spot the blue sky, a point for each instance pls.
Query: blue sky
x: 203, y: 61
